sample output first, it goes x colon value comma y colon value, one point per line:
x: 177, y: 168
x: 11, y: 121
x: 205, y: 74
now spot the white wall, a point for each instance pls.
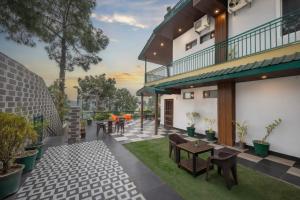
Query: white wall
x: 260, y: 102
x: 206, y: 108
x: 260, y: 12
x: 179, y: 43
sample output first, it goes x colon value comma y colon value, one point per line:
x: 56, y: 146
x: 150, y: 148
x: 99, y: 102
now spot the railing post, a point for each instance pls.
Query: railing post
x: 145, y: 81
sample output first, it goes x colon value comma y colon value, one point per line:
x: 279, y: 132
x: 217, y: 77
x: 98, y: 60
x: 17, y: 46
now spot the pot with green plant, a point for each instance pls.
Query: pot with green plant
x: 82, y: 128
x: 192, y: 119
x: 14, y: 131
x: 210, y: 133
x: 241, y: 130
x: 262, y: 147
x: 89, y: 121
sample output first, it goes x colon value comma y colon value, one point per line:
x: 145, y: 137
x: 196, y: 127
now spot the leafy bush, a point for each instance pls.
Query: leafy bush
x: 102, y: 116
x: 14, y: 131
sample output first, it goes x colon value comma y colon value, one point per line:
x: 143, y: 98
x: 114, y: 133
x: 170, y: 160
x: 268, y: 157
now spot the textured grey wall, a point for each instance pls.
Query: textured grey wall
x: 25, y: 93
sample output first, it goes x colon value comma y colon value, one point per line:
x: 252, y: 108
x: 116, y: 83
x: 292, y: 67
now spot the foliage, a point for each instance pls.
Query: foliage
x: 192, y: 118
x: 82, y: 124
x: 56, y: 97
x: 21, y: 20
x: 270, y: 128
x: 63, y: 25
x: 210, y: 123
x: 124, y: 101
x: 102, y: 116
x: 14, y: 131
x: 241, y: 130
x: 97, y: 88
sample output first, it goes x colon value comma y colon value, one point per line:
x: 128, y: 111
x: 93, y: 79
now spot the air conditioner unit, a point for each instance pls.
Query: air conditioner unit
x: 201, y: 24
x: 235, y: 5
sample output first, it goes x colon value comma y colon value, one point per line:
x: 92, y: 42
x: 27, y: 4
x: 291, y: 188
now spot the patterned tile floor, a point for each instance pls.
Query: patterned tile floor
x: 86, y: 170
x: 285, y: 169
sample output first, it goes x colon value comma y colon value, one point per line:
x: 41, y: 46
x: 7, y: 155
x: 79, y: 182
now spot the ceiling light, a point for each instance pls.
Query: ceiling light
x: 191, y: 86
x: 154, y: 53
x: 162, y: 44
x: 264, y: 77
x: 179, y: 30
x: 217, y: 11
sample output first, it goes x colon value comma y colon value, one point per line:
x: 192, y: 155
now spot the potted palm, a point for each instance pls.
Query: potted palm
x: 261, y: 147
x: 192, y: 118
x: 210, y: 133
x: 14, y: 130
x: 241, y: 130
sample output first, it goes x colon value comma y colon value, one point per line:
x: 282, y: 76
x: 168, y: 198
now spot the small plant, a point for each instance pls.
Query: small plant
x: 14, y: 131
x: 241, y: 130
x: 192, y: 118
x: 101, y: 116
x: 270, y: 128
x: 210, y: 123
x: 82, y: 123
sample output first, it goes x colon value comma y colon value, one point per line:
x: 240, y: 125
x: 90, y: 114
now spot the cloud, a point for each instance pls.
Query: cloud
x: 120, y: 18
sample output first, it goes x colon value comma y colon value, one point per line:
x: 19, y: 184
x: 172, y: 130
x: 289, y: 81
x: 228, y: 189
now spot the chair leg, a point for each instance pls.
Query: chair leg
x: 234, y: 174
x: 220, y: 171
x: 226, y: 172
x: 170, y: 150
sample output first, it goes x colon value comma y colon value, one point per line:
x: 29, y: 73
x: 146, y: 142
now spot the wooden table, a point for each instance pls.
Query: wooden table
x: 194, y: 165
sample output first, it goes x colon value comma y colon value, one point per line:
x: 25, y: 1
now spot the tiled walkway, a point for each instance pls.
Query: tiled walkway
x: 96, y: 168
x: 79, y: 171
x: 287, y: 170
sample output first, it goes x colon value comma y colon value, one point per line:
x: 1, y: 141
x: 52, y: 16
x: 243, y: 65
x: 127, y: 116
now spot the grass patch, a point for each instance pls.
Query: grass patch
x: 252, y: 185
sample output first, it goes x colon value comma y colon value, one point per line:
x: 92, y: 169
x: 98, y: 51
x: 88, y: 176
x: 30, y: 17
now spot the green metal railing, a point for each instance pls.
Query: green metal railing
x: 274, y: 34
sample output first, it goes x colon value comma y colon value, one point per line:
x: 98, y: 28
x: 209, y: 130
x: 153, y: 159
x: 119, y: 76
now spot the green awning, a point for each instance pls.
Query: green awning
x: 151, y: 91
x: 257, y: 68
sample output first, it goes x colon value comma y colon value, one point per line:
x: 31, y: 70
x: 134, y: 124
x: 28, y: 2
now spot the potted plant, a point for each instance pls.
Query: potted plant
x: 82, y: 128
x: 261, y: 147
x: 241, y: 130
x: 89, y: 121
x: 192, y: 118
x: 14, y: 130
x: 38, y: 145
x: 210, y: 133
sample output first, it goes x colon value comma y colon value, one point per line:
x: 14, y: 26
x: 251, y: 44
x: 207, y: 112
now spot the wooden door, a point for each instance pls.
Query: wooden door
x: 169, y: 110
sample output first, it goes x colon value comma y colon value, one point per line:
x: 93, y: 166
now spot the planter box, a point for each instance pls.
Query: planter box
x: 261, y: 149
x: 10, y: 183
x: 28, y: 161
x: 191, y: 131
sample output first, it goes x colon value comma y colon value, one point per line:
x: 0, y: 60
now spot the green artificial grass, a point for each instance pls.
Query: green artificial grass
x: 252, y: 185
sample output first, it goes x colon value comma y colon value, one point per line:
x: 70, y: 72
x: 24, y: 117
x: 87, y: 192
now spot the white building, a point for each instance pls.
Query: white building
x: 234, y: 62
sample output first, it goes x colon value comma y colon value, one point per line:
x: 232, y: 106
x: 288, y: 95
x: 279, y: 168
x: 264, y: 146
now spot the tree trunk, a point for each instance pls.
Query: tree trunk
x: 62, y: 75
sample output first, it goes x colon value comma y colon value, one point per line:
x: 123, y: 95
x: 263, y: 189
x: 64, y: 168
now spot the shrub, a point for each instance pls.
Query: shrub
x: 101, y: 116
x: 14, y: 131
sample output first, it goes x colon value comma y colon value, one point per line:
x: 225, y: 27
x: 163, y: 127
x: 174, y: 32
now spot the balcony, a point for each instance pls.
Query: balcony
x: 277, y: 33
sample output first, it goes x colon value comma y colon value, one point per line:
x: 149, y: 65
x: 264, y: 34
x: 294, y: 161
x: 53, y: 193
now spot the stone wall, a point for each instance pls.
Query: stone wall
x: 74, y: 124
x: 23, y: 92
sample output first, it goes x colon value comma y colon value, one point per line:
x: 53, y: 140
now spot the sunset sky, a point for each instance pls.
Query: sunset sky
x: 128, y: 24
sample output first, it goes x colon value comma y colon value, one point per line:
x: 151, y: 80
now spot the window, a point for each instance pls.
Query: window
x: 207, y: 37
x: 210, y: 94
x: 292, y: 24
x: 188, y: 95
x: 190, y: 45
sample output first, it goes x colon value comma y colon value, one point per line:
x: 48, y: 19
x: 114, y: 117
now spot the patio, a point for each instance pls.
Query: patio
x: 101, y: 168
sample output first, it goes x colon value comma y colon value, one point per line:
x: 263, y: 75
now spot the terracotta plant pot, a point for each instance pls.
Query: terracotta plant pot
x: 39, y: 147
x: 242, y: 145
x: 10, y: 182
x: 28, y: 159
x: 261, y: 149
x: 191, y: 131
x: 82, y: 133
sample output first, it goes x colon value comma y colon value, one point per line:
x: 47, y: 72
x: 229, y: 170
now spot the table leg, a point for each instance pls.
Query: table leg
x: 177, y: 156
x: 194, y: 164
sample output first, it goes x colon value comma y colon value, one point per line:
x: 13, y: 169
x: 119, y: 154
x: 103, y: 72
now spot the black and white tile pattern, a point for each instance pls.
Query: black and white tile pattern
x: 84, y: 171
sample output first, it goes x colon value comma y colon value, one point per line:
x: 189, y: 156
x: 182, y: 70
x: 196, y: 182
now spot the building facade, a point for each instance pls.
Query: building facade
x: 230, y: 61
